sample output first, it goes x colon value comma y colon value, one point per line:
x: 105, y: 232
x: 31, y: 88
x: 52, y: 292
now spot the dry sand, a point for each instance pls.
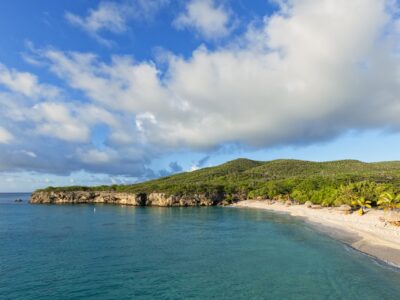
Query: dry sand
x: 367, y: 233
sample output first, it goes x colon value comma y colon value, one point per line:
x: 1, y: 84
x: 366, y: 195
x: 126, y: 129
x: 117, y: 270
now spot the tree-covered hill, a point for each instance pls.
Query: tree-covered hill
x: 329, y: 183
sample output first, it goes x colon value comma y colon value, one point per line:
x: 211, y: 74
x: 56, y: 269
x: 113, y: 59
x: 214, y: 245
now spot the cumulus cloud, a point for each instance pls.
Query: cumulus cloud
x: 55, y: 119
x: 94, y: 156
x: 25, y: 83
x: 312, y: 71
x: 55, y: 135
x: 114, y: 17
x: 123, y: 84
x: 21, y: 82
x: 206, y: 18
x: 108, y: 16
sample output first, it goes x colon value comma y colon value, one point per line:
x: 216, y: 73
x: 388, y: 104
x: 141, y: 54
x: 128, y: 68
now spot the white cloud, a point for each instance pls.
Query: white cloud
x: 312, y: 71
x: 95, y: 156
x: 25, y: 83
x: 205, y: 17
x: 114, y: 17
x: 56, y: 120
x: 21, y: 82
x: 5, y: 136
x: 108, y: 15
x: 72, y: 122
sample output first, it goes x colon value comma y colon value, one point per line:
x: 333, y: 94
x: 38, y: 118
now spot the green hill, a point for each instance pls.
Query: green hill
x: 329, y: 183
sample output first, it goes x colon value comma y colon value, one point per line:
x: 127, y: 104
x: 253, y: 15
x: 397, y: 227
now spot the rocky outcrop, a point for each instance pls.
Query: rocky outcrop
x: 160, y: 199
x: 80, y: 197
x: 288, y: 203
x: 308, y: 204
x: 316, y: 206
x: 392, y: 217
x: 344, y: 209
x: 120, y: 198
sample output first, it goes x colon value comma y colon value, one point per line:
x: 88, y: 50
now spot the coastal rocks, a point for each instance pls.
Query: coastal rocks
x: 18, y: 200
x: 161, y: 199
x: 288, y: 203
x: 80, y: 197
x: 308, y: 204
x: 123, y: 198
x: 225, y: 203
x: 393, y: 217
x: 344, y: 209
x: 316, y: 206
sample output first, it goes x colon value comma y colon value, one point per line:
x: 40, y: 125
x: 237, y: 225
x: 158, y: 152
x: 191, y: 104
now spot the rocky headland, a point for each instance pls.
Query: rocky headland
x: 124, y: 198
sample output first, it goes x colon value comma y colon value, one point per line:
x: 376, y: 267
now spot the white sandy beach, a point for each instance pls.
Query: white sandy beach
x: 370, y: 234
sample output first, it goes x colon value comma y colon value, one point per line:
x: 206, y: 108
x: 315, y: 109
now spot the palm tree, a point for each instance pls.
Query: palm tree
x: 362, y: 203
x: 388, y: 200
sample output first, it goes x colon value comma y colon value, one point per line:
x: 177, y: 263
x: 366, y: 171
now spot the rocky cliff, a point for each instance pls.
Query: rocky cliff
x: 120, y: 198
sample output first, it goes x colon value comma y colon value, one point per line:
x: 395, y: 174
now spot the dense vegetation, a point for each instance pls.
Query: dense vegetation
x: 326, y: 183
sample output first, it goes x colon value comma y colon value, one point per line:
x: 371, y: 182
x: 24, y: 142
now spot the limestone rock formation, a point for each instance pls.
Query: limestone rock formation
x: 392, y: 217
x: 344, y: 209
x: 120, y: 198
x: 316, y: 206
x: 308, y: 204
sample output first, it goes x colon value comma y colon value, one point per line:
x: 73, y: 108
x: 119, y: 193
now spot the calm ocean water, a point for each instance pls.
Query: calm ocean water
x: 74, y: 252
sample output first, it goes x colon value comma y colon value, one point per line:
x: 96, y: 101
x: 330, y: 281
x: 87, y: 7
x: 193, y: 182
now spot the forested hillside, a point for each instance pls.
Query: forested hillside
x: 328, y: 183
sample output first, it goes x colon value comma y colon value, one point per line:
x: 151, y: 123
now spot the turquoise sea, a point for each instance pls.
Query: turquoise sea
x: 114, y: 252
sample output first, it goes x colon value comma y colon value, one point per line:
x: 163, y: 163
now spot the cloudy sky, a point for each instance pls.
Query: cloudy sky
x: 103, y: 92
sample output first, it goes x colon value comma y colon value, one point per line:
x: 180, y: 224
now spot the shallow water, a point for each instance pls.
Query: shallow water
x: 74, y: 252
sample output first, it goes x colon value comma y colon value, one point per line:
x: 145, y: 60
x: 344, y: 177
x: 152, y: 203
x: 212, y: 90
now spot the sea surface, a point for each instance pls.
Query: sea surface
x: 116, y: 252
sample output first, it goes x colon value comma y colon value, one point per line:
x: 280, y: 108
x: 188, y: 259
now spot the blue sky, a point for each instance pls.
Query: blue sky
x: 103, y: 92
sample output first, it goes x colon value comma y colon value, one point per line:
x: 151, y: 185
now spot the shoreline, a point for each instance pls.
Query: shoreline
x: 367, y: 233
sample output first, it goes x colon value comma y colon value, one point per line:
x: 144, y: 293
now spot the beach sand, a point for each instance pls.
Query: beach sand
x: 367, y: 233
